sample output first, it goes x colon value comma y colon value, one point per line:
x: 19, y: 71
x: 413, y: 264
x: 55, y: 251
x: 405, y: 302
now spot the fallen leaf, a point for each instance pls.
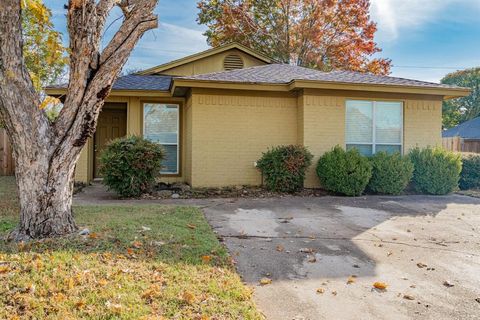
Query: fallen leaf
x: 380, y: 285
x: 312, y: 259
x: 137, y: 244
x: 154, y: 291
x: 4, y: 269
x: 421, y: 265
x: 206, y: 259
x: 130, y: 251
x: 389, y: 253
x: 408, y: 297
x: 448, y: 284
x: 146, y: 228
x: 351, y: 279
x: 265, y: 281
x: 71, y: 283
x: 80, y: 304
x: 93, y: 235
x: 334, y: 293
x: 114, y: 307
x: 307, y: 250
x: 192, y: 226
x: 102, y: 282
x: 188, y: 297
x: 280, y: 248
x: 320, y: 290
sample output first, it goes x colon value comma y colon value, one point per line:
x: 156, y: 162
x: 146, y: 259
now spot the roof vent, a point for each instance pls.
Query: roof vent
x: 232, y: 62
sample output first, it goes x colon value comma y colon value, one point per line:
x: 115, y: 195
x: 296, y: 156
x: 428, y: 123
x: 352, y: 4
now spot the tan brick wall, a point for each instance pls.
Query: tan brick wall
x: 323, y: 127
x: 225, y: 132
x: 230, y: 132
x: 422, y: 124
x: 83, y: 167
x: 188, y: 141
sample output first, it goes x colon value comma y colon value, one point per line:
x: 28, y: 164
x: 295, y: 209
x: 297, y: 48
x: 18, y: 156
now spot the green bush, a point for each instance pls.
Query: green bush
x: 436, y: 171
x: 345, y: 172
x: 284, y: 167
x: 130, y: 165
x: 391, y: 173
x: 470, y: 175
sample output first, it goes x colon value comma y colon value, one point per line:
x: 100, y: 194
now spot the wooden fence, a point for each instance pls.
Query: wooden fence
x: 7, y: 167
x: 458, y: 144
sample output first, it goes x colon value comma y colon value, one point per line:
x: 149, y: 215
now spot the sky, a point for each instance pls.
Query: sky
x: 425, y: 39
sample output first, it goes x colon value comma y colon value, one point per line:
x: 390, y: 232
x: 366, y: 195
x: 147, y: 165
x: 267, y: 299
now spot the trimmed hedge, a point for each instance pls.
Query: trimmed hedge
x: 436, y: 171
x: 391, y: 173
x: 130, y: 165
x: 470, y: 175
x: 345, y: 172
x: 284, y: 167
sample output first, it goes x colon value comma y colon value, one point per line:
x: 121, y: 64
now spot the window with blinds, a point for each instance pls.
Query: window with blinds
x: 373, y: 126
x: 161, y: 125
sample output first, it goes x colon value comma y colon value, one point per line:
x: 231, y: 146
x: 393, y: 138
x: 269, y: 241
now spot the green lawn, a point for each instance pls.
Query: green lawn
x: 139, y: 262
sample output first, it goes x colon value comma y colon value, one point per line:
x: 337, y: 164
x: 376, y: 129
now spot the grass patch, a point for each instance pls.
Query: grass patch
x: 139, y: 262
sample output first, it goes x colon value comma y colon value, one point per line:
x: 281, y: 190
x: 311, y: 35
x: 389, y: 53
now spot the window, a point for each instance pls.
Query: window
x: 161, y: 125
x: 373, y: 126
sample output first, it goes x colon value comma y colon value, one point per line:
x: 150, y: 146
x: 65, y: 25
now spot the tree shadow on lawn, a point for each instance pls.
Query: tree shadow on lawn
x: 136, y: 261
x: 332, y: 237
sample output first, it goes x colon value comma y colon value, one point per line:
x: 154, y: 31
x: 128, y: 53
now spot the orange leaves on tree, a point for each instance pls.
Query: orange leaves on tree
x: 323, y: 34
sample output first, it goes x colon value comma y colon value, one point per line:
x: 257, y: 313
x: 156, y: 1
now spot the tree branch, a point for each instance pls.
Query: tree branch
x: 19, y: 103
x: 87, y: 64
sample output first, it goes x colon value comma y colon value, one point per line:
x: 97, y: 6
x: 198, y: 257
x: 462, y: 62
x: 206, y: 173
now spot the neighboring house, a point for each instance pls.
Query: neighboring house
x: 215, y: 112
x: 465, y: 137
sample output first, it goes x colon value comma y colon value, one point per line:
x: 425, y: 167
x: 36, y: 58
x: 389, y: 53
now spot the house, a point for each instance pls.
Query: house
x: 465, y: 137
x: 215, y: 112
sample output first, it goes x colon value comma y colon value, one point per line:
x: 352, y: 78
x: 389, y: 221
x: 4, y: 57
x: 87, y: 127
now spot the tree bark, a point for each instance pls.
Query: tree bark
x: 46, y: 153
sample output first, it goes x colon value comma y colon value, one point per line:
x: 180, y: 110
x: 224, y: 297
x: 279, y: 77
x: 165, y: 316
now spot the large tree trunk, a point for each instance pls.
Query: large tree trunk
x: 45, y: 153
x: 45, y: 196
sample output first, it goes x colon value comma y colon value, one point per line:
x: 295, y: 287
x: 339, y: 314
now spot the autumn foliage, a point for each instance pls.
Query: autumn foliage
x: 324, y: 34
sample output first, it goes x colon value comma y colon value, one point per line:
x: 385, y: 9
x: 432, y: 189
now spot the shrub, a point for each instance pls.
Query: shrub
x: 470, y: 175
x: 436, y: 171
x: 284, y: 167
x: 391, y: 173
x: 130, y: 165
x: 345, y: 172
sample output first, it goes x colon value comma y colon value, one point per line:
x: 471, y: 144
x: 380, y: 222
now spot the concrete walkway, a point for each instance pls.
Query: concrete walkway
x: 427, y: 249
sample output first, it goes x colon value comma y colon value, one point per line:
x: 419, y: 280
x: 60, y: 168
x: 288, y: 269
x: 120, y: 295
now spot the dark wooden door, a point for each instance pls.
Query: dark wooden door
x: 112, y: 123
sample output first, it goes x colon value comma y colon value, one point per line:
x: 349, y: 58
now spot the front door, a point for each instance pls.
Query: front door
x: 112, y: 124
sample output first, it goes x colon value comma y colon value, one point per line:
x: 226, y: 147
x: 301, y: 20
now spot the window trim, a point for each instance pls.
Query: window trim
x: 374, y: 121
x: 179, y: 105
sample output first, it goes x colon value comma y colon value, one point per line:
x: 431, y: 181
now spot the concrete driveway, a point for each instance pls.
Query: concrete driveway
x: 427, y: 249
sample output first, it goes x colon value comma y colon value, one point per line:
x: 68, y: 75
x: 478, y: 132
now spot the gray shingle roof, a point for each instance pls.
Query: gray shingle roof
x: 136, y: 82
x: 468, y: 130
x: 284, y: 73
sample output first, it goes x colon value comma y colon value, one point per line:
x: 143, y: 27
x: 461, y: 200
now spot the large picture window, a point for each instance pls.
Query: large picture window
x: 373, y: 126
x: 161, y: 125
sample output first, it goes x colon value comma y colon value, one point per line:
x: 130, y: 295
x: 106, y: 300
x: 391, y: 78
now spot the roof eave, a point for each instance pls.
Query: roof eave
x: 253, y: 86
x: 57, y: 92
x: 448, y: 93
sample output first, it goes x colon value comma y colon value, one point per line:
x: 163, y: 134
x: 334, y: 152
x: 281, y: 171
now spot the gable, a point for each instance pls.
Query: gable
x: 218, y: 59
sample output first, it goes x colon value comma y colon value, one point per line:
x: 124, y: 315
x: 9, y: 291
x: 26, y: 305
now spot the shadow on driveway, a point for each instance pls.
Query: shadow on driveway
x: 304, y: 244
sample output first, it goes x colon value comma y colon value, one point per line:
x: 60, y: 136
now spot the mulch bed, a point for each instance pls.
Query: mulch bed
x: 181, y: 191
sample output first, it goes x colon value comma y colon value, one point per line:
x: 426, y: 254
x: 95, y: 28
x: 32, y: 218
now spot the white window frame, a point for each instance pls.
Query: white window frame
x: 167, y: 144
x: 374, y: 123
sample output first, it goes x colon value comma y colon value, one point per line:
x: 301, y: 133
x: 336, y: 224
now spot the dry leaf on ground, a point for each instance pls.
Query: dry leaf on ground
x: 380, y: 285
x: 265, y: 281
